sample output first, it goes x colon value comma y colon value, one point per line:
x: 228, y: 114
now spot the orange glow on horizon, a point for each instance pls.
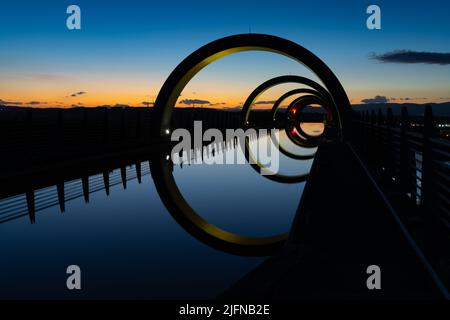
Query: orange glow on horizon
x: 59, y: 100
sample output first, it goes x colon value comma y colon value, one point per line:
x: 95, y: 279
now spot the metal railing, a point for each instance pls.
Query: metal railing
x: 46, y: 136
x: 411, y: 160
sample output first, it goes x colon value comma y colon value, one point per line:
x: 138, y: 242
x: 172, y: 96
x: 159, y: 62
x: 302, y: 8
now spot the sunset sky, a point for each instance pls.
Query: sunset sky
x: 126, y: 49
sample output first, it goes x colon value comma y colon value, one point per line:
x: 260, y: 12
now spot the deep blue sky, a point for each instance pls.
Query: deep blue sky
x: 126, y: 49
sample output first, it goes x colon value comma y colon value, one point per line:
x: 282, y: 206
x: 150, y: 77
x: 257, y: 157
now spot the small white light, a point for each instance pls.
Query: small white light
x: 167, y: 157
x: 167, y: 131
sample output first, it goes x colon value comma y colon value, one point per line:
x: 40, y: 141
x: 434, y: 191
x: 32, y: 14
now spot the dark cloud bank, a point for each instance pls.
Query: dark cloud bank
x: 409, y: 57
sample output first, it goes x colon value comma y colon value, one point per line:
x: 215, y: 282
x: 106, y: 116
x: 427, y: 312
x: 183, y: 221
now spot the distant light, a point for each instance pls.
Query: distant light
x: 167, y: 131
x: 167, y: 157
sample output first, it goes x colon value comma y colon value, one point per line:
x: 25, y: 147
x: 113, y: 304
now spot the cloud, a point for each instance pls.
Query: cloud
x: 376, y: 99
x: 76, y: 94
x: 17, y: 103
x: 265, y: 102
x: 411, y: 99
x: 147, y: 103
x: 194, y: 101
x: 408, y: 56
x: 10, y: 102
x: 35, y: 102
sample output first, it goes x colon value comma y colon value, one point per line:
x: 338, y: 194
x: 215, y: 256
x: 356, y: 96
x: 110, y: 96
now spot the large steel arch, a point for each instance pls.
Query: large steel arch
x: 215, y: 50
x: 161, y: 168
x: 277, y: 104
x: 299, y: 105
x: 251, y: 99
x: 290, y: 126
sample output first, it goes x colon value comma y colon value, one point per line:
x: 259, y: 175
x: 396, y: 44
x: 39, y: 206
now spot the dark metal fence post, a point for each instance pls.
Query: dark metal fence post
x: 389, y: 145
x: 427, y: 193
x: 84, y: 135
x: 29, y: 132
x: 122, y: 124
x: 380, y: 143
x: 365, y: 137
x: 372, y: 141
x: 138, y: 123
x: 380, y: 118
x: 60, y: 131
x: 106, y: 126
x: 405, y: 166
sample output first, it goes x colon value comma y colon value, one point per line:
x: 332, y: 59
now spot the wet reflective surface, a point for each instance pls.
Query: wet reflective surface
x: 128, y: 245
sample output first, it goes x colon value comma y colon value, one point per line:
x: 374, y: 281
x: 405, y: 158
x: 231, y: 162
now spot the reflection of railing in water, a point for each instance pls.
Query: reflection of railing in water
x: 412, y: 164
x: 57, y: 195
x: 32, y: 200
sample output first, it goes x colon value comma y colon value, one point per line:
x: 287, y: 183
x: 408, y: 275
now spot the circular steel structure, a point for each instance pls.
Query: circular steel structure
x: 190, y: 66
x: 161, y: 169
x: 251, y: 99
x: 277, y: 104
x: 293, y: 114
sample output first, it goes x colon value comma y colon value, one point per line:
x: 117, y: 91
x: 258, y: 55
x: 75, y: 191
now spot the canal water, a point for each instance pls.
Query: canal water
x: 127, y: 245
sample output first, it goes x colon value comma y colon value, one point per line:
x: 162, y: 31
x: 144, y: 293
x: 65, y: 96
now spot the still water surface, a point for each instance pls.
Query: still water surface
x: 128, y: 245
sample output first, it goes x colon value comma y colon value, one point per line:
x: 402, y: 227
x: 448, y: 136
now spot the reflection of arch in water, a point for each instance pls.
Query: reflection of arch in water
x: 289, y: 154
x: 307, y: 135
x: 215, y: 50
x: 261, y: 168
x: 161, y: 170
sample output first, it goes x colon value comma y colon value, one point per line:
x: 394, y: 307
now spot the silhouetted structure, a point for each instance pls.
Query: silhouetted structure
x: 378, y: 192
x: 34, y: 140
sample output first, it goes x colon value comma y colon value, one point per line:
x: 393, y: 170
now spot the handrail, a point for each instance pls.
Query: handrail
x: 419, y: 158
